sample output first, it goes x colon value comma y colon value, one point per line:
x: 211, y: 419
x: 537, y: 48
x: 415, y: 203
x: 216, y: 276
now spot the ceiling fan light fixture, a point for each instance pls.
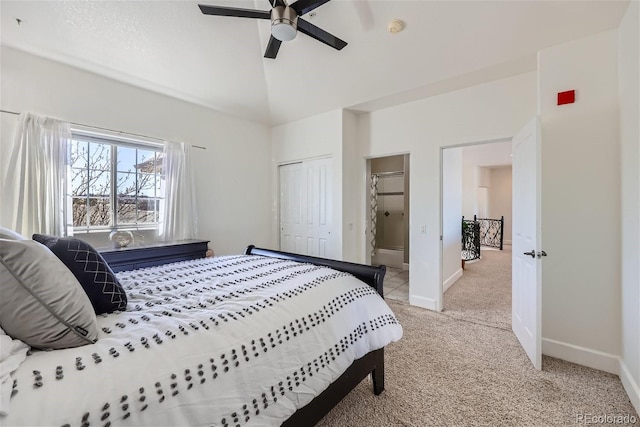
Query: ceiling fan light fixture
x: 283, y: 31
x: 284, y: 21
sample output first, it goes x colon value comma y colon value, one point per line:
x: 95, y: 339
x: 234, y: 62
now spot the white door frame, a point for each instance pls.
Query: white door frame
x: 440, y: 301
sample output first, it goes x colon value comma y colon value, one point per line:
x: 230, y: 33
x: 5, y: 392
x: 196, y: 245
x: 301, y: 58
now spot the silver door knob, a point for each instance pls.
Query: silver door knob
x: 532, y: 254
x: 541, y: 254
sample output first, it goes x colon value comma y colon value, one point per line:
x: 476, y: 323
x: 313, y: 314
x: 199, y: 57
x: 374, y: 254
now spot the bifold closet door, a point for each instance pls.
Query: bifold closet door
x: 305, y: 207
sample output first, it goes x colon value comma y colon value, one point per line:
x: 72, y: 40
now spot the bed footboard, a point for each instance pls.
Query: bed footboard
x: 322, y: 404
x: 372, y: 363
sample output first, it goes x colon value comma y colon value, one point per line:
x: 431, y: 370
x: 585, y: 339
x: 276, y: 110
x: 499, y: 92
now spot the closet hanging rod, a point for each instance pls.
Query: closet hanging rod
x: 109, y: 130
x: 388, y: 174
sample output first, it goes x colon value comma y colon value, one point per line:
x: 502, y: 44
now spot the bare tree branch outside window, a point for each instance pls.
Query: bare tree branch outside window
x: 137, y: 178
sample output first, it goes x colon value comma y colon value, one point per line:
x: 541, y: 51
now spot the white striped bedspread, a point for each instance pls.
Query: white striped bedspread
x: 226, y: 341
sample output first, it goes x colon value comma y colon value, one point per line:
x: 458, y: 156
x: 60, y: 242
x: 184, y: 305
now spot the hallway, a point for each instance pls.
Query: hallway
x: 483, y: 294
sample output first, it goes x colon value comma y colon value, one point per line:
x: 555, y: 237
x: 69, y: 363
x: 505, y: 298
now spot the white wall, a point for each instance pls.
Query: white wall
x: 315, y: 137
x: 500, y: 198
x: 581, y: 202
x: 231, y: 168
x: 483, y: 177
x: 421, y: 128
x: 353, y: 167
x: 469, y: 189
x: 629, y: 73
x: 451, y: 216
x: 497, y: 182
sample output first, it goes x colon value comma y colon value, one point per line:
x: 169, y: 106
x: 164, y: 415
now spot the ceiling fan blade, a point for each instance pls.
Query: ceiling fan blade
x: 234, y: 11
x: 320, y: 34
x: 276, y: 3
x: 272, y: 48
x: 305, y: 6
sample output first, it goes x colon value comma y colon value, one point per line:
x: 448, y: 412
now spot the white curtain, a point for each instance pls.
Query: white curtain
x: 34, y: 190
x: 179, y: 219
x: 373, y: 209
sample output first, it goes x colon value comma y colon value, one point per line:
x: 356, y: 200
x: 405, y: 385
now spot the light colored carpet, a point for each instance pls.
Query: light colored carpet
x: 450, y: 372
x: 483, y: 293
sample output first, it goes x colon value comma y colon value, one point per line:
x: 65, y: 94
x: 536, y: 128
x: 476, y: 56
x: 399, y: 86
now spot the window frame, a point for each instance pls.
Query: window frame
x: 114, y: 142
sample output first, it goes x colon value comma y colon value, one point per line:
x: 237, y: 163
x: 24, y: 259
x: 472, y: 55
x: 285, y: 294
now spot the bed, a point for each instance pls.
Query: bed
x: 262, y: 338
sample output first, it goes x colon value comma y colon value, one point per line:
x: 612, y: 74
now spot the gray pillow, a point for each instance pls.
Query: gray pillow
x: 7, y: 233
x: 41, y: 301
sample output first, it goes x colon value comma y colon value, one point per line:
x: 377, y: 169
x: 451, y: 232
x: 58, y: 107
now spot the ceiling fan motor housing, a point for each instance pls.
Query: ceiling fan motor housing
x: 284, y: 22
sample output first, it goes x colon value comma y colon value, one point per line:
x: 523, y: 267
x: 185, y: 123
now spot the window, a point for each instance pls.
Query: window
x: 114, y: 184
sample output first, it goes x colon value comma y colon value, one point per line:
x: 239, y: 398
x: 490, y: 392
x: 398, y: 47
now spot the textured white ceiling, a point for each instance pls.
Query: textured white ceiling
x: 172, y: 48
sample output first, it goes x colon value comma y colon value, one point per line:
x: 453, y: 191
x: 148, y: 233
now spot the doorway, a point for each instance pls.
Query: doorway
x: 388, y: 219
x: 389, y: 211
x: 476, y: 187
x: 526, y: 273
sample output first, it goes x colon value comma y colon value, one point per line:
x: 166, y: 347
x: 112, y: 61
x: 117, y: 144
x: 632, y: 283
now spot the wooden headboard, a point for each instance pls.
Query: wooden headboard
x: 373, y: 276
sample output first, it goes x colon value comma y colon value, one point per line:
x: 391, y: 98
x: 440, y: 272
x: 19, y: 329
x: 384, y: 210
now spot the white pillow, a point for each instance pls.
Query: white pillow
x: 42, y: 302
x: 12, y: 354
x: 6, y: 233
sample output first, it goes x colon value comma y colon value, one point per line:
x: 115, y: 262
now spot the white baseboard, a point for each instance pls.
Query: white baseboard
x: 581, y: 355
x: 428, y: 303
x: 451, y: 280
x: 597, y: 360
x: 630, y: 385
x: 405, y: 266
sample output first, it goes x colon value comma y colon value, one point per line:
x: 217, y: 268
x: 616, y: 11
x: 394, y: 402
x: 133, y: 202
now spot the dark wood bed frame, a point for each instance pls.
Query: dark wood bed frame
x: 372, y: 363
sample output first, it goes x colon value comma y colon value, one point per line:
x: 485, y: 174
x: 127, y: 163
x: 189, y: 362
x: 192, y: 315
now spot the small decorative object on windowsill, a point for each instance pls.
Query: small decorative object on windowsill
x: 121, y: 238
x: 209, y: 253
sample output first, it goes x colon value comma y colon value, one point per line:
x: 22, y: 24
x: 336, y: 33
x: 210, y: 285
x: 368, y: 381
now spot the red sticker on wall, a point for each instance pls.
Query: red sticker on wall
x: 568, y: 97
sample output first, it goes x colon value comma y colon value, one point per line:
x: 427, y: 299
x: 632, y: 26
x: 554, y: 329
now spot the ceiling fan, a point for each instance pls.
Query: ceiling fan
x: 286, y: 21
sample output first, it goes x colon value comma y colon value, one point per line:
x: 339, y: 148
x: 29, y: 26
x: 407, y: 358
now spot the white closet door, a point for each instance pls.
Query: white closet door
x: 290, y: 208
x: 305, y: 208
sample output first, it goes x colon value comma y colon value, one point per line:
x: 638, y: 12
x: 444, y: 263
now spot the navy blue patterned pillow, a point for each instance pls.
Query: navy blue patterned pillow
x: 91, y: 270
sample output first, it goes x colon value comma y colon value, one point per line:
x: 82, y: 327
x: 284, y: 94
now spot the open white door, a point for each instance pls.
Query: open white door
x: 526, y: 286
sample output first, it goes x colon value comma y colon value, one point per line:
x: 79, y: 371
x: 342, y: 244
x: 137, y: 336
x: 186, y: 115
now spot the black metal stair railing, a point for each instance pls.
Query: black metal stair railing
x: 470, y: 239
x: 491, y: 231
x: 481, y: 232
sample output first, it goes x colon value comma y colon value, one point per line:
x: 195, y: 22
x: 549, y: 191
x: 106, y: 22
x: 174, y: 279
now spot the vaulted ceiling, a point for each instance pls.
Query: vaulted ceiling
x: 172, y: 48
